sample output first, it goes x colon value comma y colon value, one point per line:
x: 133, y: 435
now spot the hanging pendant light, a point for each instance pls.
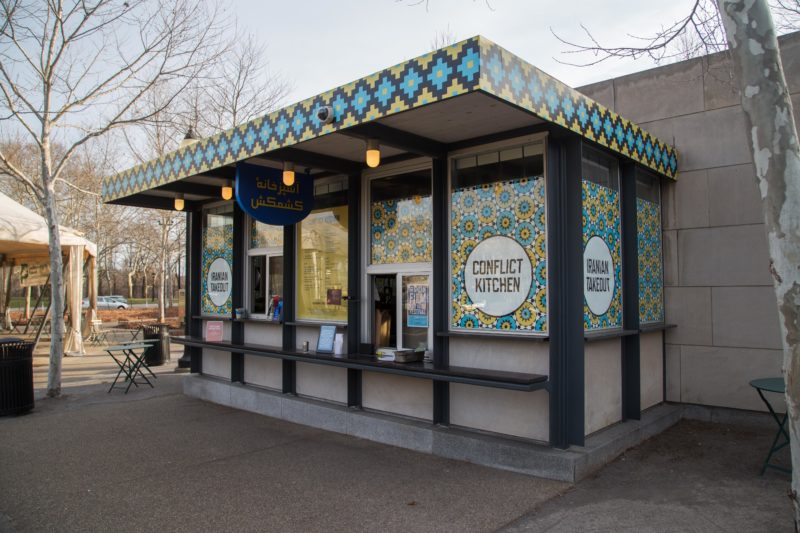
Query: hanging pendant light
x: 373, y: 153
x: 179, y: 203
x: 227, y: 190
x: 288, y: 173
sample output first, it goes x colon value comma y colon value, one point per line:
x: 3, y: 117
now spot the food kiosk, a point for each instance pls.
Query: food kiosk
x: 463, y: 207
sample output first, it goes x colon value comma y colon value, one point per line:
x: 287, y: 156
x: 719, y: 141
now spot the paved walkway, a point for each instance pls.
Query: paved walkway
x: 157, y: 460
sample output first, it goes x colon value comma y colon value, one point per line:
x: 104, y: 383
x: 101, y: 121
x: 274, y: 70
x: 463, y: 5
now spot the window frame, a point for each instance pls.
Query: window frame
x: 267, y: 252
x: 398, y: 269
x: 656, y: 188
x: 477, y: 151
x: 339, y: 178
x: 217, y: 208
x: 614, y: 171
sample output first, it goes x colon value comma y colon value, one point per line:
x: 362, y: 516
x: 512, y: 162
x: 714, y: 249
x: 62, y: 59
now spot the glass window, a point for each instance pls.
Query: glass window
x: 602, y: 245
x: 265, y: 277
x: 322, y: 255
x: 400, y: 218
x: 265, y: 235
x: 217, y: 263
x: 498, y: 241
x: 651, y: 269
x: 416, y: 312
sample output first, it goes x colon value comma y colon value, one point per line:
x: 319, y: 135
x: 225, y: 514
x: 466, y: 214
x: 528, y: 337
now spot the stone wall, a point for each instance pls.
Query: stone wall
x: 718, y: 290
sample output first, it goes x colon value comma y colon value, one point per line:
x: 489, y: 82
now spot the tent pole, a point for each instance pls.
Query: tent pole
x: 47, y: 315
x: 7, y: 303
x: 36, y: 305
x: 41, y: 326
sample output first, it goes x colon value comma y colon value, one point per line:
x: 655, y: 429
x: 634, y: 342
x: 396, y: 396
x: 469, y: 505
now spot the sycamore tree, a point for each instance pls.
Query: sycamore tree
x: 73, y: 70
x: 776, y: 156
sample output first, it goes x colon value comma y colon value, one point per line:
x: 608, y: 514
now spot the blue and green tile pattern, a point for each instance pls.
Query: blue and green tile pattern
x: 475, y: 64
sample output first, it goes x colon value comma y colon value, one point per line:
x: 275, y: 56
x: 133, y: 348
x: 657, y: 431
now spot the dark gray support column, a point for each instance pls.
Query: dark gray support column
x: 289, y: 337
x: 237, y: 291
x: 565, y: 290
x: 631, y: 372
x: 194, y: 258
x: 354, y: 378
x: 441, y: 287
x: 186, y: 359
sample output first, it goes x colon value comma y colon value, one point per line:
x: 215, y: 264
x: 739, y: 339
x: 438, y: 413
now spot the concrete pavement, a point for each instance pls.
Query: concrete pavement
x: 157, y: 460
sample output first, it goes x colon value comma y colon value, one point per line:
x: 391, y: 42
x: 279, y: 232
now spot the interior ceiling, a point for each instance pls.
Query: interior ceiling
x: 456, y: 119
x: 461, y: 118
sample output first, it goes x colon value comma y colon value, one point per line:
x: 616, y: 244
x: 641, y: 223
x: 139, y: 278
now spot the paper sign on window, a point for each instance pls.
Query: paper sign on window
x: 417, y: 305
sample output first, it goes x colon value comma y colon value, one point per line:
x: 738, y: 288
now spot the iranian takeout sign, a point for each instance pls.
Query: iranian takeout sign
x: 219, y: 281
x: 260, y: 193
x: 598, y: 276
x: 498, y: 276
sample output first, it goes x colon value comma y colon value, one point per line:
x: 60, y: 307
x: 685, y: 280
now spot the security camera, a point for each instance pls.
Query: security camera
x: 325, y: 114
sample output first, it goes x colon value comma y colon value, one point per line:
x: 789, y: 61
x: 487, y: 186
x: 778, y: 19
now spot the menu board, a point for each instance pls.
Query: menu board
x: 322, y: 266
x: 327, y: 336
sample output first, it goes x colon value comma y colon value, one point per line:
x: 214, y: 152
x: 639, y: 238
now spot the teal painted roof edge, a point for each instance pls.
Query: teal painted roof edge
x: 475, y: 64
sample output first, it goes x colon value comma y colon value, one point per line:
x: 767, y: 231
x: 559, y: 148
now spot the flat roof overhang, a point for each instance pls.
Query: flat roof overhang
x: 463, y: 94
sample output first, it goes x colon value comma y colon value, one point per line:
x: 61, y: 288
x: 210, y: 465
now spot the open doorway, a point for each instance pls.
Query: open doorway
x: 384, y: 289
x: 401, y: 310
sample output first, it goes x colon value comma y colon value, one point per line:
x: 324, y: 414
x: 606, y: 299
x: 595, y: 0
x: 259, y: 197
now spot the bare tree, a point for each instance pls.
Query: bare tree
x: 700, y: 32
x: 443, y: 38
x: 751, y: 38
x: 71, y: 71
x: 243, y: 90
x: 776, y: 154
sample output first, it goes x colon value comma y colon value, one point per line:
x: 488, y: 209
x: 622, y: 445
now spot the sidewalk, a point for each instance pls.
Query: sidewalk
x: 156, y: 460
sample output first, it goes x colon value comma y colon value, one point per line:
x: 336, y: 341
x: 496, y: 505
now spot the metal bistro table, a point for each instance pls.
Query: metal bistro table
x: 776, y: 385
x: 130, y: 363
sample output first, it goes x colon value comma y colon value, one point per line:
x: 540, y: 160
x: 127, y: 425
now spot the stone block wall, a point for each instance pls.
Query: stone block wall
x: 718, y: 290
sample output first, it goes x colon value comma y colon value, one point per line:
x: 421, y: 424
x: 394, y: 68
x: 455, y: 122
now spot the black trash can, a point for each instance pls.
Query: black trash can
x: 16, y: 377
x: 158, y: 352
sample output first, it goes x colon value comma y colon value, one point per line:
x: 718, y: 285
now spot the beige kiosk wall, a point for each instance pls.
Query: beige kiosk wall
x: 216, y: 362
x: 522, y: 414
x: 397, y: 394
x: 651, y: 362
x: 319, y: 381
x: 603, y: 384
x: 263, y: 371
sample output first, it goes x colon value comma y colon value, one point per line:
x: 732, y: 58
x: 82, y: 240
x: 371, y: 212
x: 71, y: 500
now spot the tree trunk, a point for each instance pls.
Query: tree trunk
x: 776, y: 155
x: 162, y: 268
x: 130, y: 283
x: 56, y: 280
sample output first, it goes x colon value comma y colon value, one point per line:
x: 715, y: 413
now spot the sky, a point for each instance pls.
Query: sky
x: 317, y: 45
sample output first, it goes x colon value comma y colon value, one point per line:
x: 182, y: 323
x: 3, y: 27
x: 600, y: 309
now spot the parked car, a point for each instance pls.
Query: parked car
x: 119, y: 298
x: 108, y: 302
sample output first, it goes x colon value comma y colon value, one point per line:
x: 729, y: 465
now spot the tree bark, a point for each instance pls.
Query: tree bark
x: 56, y: 274
x: 162, y: 268
x: 776, y: 155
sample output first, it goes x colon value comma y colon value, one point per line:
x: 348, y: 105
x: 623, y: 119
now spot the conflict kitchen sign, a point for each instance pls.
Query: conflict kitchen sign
x: 498, y: 276
x: 598, y: 276
x: 260, y: 193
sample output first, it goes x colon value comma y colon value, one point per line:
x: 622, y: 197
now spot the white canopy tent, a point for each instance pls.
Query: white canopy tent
x: 24, y: 240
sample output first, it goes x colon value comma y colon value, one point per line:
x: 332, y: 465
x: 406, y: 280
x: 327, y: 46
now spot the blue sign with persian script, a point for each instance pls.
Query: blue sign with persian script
x: 260, y: 193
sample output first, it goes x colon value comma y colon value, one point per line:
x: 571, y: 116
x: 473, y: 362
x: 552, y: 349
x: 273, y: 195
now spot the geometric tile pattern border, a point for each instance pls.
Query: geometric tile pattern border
x: 475, y: 64
x: 508, y: 77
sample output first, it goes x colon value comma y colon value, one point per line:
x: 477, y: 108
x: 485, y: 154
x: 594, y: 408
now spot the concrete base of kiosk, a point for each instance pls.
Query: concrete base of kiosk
x: 490, y: 450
